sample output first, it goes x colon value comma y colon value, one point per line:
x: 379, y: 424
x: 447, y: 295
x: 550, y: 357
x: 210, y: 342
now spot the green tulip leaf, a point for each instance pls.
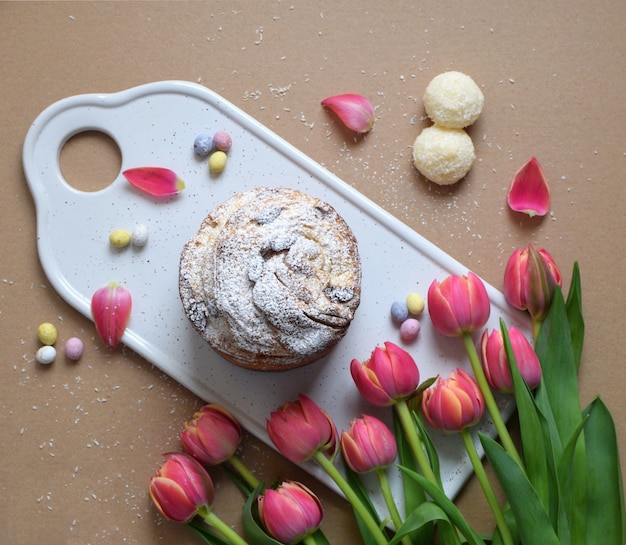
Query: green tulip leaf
x: 422, y: 516
x: 559, y: 373
x: 560, y: 381
x: 431, y: 450
x: 357, y: 486
x: 497, y: 539
x: 447, y: 506
x: 531, y: 429
x: 206, y: 533
x: 250, y: 521
x: 414, y: 495
x: 575, y: 315
x: 532, y: 519
x: 606, y: 522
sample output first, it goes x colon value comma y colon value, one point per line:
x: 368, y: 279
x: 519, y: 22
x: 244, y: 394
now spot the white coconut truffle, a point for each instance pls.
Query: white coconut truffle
x: 453, y: 100
x: 443, y: 155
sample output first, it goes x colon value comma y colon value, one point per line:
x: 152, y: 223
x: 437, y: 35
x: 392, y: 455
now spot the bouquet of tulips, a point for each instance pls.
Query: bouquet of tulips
x: 562, y: 480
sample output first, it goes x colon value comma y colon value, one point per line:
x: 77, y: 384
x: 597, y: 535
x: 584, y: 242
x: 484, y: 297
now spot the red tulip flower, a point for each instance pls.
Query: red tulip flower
x: 181, y: 488
x: 453, y: 404
x: 211, y: 436
x: 496, y: 364
x: 290, y: 512
x: 300, y: 429
x: 530, y: 278
x: 389, y: 375
x: 458, y: 305
x: 368, y: 445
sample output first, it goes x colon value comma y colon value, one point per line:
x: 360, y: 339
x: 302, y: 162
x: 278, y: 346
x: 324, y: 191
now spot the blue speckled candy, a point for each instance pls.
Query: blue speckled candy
x: 399, y: 311
x: 203, y: 145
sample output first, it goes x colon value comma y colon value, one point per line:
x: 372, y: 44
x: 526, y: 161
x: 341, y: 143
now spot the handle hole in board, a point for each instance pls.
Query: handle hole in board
x: 90, y: 161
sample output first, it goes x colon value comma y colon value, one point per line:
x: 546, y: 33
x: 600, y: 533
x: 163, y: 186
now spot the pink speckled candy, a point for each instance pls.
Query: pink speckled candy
x: 409, y: 329
x: 74, y: 348
x: 222, y: 141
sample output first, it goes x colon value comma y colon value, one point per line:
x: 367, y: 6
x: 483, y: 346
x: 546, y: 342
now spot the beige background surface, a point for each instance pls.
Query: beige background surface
x: 79, y: 441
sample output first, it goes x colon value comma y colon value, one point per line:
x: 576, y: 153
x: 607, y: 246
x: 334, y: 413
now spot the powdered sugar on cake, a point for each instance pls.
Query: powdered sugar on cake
x: 272, y: 279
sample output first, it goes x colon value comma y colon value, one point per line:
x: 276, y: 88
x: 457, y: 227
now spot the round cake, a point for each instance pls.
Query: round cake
x: 272, y: 279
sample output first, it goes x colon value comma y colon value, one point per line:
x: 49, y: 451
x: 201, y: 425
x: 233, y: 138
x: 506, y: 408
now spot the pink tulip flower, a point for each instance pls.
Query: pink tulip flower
x: 300, y: 429
x: 458, y: 305
x: 355, y: 111
x: 110, y: 309
x: 181, y: 488
x: 453, y: 404
x: 530, y: 278
x: 368, y: 445
x: 390, y: 374
x: 211, y: 436
x: 290, y: 512
x: 529, y: 192
x: 496, y: 364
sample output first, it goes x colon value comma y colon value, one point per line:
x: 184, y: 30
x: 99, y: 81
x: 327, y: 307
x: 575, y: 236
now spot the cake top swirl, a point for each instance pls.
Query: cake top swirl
x: 272, y: 278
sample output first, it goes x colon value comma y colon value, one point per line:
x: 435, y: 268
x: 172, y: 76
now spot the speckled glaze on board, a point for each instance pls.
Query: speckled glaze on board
x: 155, y: 125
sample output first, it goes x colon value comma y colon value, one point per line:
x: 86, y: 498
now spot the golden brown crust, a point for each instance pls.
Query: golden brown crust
x: 272, y: 279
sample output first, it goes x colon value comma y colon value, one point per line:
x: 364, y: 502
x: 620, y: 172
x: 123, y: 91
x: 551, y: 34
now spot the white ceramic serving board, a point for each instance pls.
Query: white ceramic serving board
x: 155, y: 125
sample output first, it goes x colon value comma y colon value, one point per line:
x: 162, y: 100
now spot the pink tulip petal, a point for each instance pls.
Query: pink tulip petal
x: 529, y: 192
x: 157, y: 181
x: 355, y: 111
x: 110, y: 308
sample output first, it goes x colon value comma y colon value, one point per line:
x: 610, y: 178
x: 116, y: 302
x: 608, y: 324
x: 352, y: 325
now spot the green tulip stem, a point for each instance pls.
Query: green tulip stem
x: 351, y: 496
x: 309, y: 540
x: 213, y: 520
x: 417, y: 447
x: 505, y: 532
x: 536, y: 325
x: 385, y: 488
x: 241, y: 468
x: 414, y: 441
x: 490, y: 401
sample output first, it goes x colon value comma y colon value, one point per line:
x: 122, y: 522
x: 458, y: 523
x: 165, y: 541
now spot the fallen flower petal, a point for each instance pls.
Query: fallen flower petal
x: 529, y: 192
x: 110, y: 308
x: 157, y: 181
x: 355, y: 111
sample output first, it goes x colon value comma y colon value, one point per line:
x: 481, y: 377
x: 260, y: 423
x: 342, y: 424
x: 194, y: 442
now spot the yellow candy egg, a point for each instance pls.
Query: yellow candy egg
x: 415, y: 303
x: 217, y: 162
x: 119, y: 238
x: 47, y: 334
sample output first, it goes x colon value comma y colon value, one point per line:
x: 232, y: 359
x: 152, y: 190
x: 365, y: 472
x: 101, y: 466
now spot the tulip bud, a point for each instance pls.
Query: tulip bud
x: 496, y: 364
x: 355, y: 111
x: 458, y: 305
x: 211, y: 436
x: 290, y: 512
x: 181, y: 488
x: 530, y: 278
x: 300, y: 429
x: 110, y: 308
x: 453, y: 404
x: 368, y: 445
x: 389, y: 375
